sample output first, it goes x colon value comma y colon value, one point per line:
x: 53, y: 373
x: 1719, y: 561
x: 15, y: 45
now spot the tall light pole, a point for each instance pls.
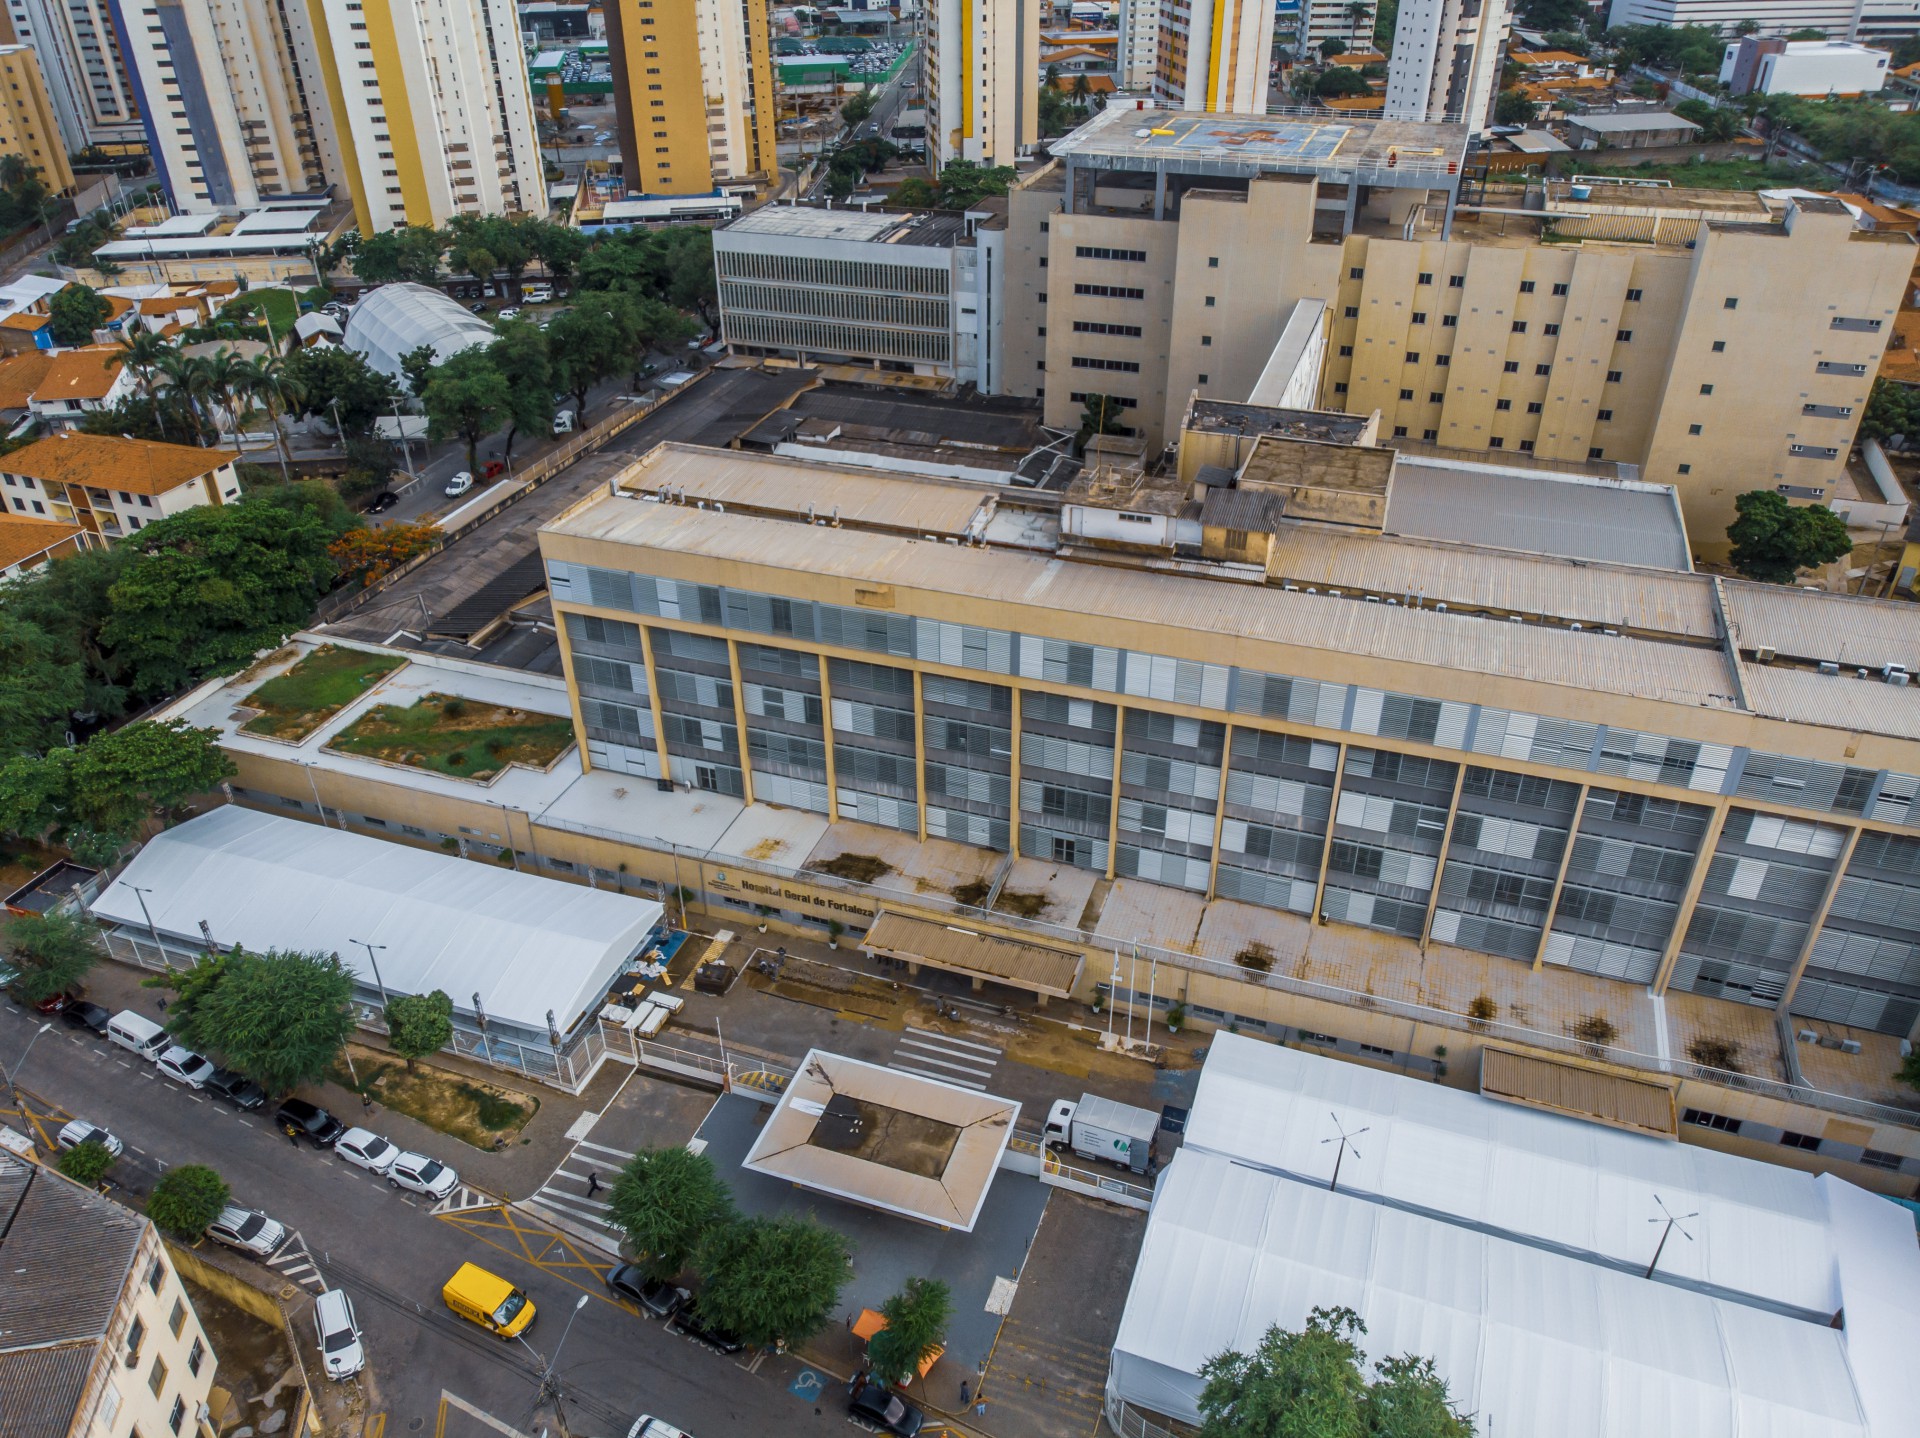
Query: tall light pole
x: 549, y: 1383
x: 14, y: 1073
x: 378, y: 982
x: 1345, y: 1140
x: 141, y: 894
x: 1672, y: 1221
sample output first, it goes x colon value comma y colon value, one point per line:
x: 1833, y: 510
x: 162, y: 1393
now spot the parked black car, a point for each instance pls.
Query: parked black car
x: 874, y: 1405
x: 656, y: 1297
x: 237, y: 1089
x: 84, y: 1015
x: 299, y: 1119
x: 689, y: 1322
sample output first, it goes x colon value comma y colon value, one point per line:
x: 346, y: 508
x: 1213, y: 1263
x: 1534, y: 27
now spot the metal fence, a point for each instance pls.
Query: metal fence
x: 1056, y: 1174
x: 696, y: 865
x: 1129, y: 1422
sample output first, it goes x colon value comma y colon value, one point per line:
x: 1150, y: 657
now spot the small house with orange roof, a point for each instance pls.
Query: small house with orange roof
x: 29, y: 543
x: 113, y: 486
x: 20, y: 376
x: 78, y: 381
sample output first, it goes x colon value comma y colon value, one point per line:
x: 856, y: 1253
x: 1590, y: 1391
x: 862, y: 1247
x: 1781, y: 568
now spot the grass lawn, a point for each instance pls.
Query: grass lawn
x: 465, y: 738
x: 315, y: 689
x: 279, y: 306
x: 1718, y: 174
x: 463, y: 1108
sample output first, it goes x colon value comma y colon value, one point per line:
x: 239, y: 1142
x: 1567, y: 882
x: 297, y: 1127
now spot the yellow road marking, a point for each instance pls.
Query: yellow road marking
x: 35, y: 1112
x: 546, y: 1249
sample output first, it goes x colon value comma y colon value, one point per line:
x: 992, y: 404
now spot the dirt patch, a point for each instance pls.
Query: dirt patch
x: 481, y: 1114
x: 1595, y: 1029
x: 1482, y: 1009
x: 463, y: 738
x: 1256, y: 957
x: 1716, y: 1053
x: 973, y: 893
x: 256, y: 1366
x: 21, y: 860
x: 1022, y: 905
x: 860, y: 868
x: 824, y: 986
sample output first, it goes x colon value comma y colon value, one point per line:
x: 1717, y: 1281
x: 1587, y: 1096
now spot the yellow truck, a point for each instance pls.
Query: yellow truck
x: 488, y: 1300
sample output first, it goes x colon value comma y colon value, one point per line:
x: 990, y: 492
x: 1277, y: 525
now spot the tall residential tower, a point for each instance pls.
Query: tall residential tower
x: 693, y: 94
x: 1446, y: 61
x: 982, y: 73
x: 1214, y: 55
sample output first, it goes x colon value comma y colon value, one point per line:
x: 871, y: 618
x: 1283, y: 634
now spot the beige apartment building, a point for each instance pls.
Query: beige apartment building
x: 98, y: 1338
x: 1720, y: 342
x: 28, y: 126
x: 981, y: 77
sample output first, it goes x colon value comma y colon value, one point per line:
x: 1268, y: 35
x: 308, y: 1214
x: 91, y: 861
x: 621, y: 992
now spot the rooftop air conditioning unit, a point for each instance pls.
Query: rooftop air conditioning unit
x: 1827, y: 666
x: 1578, y: 627
x: 1291, y: 588
x: 1807, y: 1036
x: 1900, y: 679
x: 1763, y: 654
x: 1515, y: 619
x: 1849, y: 1046
x: 1440, y: 608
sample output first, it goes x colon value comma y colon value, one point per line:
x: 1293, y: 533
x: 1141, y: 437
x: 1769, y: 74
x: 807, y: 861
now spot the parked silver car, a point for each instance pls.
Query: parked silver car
x: 248, y: 1230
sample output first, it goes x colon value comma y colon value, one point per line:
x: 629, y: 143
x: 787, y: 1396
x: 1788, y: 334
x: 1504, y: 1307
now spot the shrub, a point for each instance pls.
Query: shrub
x: 187, y: 1199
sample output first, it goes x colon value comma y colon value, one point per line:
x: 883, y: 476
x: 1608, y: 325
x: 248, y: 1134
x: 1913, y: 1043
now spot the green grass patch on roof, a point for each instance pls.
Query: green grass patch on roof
x: 318, y: 687
x: 462, y: 738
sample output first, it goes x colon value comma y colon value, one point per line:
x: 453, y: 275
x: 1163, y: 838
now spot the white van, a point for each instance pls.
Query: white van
x: 138, y: 1034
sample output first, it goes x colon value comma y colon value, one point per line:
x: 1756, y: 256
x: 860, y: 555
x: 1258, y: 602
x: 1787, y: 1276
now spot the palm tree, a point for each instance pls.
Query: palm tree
x: 187, y: 376
x: 224, y: 381
x: 278, y: 390
x: 1080, y: 89
x: 143, y: 353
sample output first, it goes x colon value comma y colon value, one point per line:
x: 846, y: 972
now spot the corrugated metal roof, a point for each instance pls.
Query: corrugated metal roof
x: 1006, y: 961
x: 1837, y: 701
x: 1809, y: 625
x: 1560, y: 516
x: 40, y: 1388
x: 1210, y: 609
x: 65, y: 1255
x: 1461, y: 577
x: 1565, y: 1086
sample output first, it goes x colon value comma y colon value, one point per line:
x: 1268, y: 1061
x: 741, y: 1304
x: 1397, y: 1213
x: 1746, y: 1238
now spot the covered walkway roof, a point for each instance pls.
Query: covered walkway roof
x: 524, y: 944
x: 1015, y: 962
x: 1590, y: 1091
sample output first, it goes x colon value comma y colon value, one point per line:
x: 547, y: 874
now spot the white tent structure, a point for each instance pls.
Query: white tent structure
x: 397, y: 319
x: 1510, y: 1246
x: 524, y: 944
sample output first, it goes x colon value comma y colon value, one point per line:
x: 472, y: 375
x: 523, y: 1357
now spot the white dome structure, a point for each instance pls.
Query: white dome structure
x: 397, y: 319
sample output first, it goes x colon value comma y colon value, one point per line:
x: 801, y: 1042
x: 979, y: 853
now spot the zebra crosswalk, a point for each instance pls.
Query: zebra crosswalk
x: 572, y: 1191
x: 965, y: 1062
x: 293, y: 1261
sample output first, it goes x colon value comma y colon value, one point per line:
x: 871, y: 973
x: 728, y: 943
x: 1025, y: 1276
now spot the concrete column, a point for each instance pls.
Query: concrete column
x: 573, y: 692
x: 1013, y: 772
x: 653, y: 703
x: 1709, y: 841
x: 1113, y: 814
x: 826, y: 734
x: 1220, y: 811
x: 740, y: 719
x: 920, y: 753
x: 1560, y: 879
x: 1819, y: 918
x: 1326, y: 847
x: 1440, y: 859
x: 1159, y: 192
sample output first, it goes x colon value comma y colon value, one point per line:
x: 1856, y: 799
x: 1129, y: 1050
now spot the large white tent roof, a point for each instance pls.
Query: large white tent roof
x: 397, y: 319
x: 1762, y: 1230
x: 1532, y: 1341
x: 525, y: 944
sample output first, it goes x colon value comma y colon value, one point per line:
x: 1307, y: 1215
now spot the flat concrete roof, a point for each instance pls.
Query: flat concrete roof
x: 1390, y: 152
x: 889, y: 1140
x: 883, y: 227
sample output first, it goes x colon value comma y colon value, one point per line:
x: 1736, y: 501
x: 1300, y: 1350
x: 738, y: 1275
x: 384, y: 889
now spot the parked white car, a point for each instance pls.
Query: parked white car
x: 340, y: 1348
x: 420, y: 1174
x: 460, y: 484
x: 248, y: 1230
x: 184, y: 1066
x: 367, y: 1150
x: 510, y: 312
x: 80, y: 1131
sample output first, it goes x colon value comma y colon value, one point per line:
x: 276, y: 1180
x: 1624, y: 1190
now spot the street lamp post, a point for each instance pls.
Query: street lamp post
x: 141, y: 894
x: 378, y: 982
x: 549, y: 1381
x: 14, y: 1073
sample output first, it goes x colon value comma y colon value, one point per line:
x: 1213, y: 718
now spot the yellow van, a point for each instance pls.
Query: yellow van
x: 488, y: 1300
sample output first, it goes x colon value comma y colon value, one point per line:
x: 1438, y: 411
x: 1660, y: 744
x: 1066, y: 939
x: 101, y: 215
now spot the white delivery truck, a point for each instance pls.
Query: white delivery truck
x: 1100, y: 1128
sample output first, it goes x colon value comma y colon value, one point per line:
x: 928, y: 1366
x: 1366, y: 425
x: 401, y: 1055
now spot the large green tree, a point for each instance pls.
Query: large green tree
x: 187, y: 1199
x: 587, y: 344
x: 76, y: 312
x: 332, y: 379
x: 86, y: 1163
x: 1312, y: 1384
x: 410, y: 252
x: 523, y: 360
x: 917, y: 1318
x: 419, y: 1024
x: 95, y: 797
x: 666, y: 1201
x: 279, y: 1018
x: 1774, y: 540
x: 467, y: 396
x: 52, y: 952
x: 209, y: 587
x: 43, y: 682
x: 1893, y: 409
x: 70, y: 601
x: 773, y: 1279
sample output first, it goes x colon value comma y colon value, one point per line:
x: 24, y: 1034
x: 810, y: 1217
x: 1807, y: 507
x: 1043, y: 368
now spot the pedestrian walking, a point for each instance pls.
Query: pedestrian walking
x: 593, y: 1183
x: 963, y: 1393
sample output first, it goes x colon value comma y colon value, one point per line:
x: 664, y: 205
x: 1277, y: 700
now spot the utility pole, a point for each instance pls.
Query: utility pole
x: 378, y: 982
x: 1345, y: 1140
x: 13, y: 1093
x: 549, y: 1382
x: 141, y: 894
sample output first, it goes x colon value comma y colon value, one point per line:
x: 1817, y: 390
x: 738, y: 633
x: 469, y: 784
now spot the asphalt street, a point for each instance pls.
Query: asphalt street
x: 391, y: 1255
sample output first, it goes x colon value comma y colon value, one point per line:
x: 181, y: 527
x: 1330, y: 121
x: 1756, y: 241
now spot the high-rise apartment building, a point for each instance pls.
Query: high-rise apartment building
x: 693, y: 94
x: 1863, y: 20
x: 1214, y: 55
x: 419, y: 113
x: 228, y: 91
x: 1138, y: 55
x: 27, y: 124
x: 1446, y: 61
x: 982, y: 72
x: 1348, y: 20
x: 1721, y: 342
x: 432, y: 109
x: 80, y: 60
